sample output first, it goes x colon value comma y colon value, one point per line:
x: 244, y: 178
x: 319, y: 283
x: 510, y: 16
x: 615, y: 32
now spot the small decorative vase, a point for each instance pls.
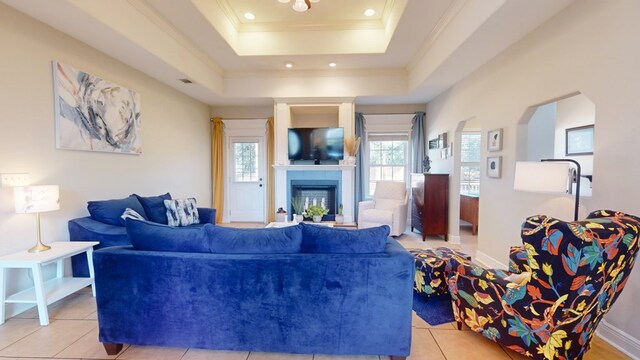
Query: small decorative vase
x: 317, y: 218
x: 339, y: 219
x: 299, y: 218
x: 351, y: 160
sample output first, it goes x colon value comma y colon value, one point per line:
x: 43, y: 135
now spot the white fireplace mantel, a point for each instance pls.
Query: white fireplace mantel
x: 347, y: 178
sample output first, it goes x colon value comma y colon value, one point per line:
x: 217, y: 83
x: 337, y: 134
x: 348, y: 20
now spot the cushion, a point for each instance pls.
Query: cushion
x: 154, y: 207
x: 322, y: 239
x: 182, y: 212
x: 377, y: 216
x: 109, y: 211
x: 286, y: 240
x: 390, y: 190
x: 131, y: 214
x: 146, y: 235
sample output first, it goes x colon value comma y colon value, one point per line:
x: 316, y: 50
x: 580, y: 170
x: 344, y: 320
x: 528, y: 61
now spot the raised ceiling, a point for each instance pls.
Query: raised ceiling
x: 408, y: 52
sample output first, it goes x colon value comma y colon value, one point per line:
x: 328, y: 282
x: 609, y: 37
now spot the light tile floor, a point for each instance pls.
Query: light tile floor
x: 73, y: 333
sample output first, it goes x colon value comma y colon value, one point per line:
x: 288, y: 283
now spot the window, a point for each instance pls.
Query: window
x: 388, y: 158
x: 246, y: 161
x: 470, y: 163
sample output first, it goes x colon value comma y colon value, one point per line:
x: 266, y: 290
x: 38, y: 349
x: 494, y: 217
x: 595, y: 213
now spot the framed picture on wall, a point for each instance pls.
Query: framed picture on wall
x: 579, y: 141
x: 494, y: 166
x: 494, y: 140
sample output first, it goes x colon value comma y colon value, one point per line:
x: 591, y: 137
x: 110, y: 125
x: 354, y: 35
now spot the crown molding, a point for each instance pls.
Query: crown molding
x: 164, y: 25
x: 452, y: 11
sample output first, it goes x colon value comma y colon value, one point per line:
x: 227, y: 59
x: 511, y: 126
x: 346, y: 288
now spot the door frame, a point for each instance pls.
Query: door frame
x: 244, y: 129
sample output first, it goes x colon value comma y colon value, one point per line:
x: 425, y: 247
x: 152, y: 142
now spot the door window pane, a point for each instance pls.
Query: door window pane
x: 246, y: 162
x: 470, y: 163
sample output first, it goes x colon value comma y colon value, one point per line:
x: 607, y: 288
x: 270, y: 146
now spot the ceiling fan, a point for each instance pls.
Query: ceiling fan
x: 300, y: 5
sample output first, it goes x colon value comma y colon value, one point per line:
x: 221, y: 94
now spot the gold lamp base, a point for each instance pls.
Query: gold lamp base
x: 40, y: 247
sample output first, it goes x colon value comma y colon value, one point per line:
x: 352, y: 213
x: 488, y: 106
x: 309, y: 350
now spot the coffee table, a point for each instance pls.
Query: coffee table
x: 277, y: 224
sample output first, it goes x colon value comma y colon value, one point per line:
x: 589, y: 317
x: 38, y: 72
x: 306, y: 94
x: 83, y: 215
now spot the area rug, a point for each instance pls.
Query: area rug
x: 435, y: 310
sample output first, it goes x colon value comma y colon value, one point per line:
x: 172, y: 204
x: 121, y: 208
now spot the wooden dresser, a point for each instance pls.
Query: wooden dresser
x: 430, y: 204
x: 469, y: 211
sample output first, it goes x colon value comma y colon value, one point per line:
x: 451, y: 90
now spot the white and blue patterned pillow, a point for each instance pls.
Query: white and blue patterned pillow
x: 182, y: 212
x: 129, y: 213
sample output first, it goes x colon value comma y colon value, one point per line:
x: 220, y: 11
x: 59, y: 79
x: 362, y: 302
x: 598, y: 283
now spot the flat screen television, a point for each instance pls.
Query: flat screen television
x: 316, y: 144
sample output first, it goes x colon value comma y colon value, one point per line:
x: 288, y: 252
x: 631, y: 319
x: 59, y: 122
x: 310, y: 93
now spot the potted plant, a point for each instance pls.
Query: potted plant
x: 339, y: 216
x: 298, y: 206
x: 281, y: 215
x: 316, y: 212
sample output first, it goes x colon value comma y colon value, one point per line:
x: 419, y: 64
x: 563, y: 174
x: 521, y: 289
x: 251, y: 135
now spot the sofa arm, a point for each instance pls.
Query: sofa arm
x: 365, y: 205
x: 207, y: 215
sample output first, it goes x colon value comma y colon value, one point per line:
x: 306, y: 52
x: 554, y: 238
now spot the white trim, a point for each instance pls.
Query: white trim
x: 488, y: 261
x: 619, y: 339
x: 314, y: 167
x: 454, y: 239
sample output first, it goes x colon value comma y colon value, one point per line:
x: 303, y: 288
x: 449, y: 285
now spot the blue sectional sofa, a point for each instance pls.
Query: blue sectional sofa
x: 301, y: 289
x: 105, y: 225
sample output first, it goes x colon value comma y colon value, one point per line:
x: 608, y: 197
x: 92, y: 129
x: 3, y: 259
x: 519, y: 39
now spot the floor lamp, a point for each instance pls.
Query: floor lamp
x: 547, y: 176
x: 37, y: 199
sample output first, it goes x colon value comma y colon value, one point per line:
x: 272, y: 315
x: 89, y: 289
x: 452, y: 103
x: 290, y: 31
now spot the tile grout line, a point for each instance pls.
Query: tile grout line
x: 437, y: 344
x: 81, y: 336
x: 33, y: 332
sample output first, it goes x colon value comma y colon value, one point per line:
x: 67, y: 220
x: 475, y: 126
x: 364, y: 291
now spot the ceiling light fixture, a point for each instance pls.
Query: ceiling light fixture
x: 249, y: 16
x: 369, y: 12
x: 288, y: 64
x: 301, y: 5
x: 332, y: 64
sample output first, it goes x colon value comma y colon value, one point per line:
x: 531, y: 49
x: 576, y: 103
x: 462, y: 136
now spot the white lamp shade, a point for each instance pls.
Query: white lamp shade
x: 547, y: 177
x: 35, y: 199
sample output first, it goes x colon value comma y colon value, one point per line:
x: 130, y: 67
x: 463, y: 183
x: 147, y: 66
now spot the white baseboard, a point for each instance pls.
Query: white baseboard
x: 609, y: 333
x: 619, y: 339
x: 488, y: 261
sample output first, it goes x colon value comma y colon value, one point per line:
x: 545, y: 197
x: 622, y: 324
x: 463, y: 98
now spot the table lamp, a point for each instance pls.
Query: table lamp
x: 37, y: 199
x: 547, y: 176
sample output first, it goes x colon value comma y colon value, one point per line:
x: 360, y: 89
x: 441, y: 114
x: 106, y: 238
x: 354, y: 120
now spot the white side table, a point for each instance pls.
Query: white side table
x: 43, y: 292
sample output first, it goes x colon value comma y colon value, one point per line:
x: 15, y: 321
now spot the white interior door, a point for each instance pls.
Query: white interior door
x: 246, y: 179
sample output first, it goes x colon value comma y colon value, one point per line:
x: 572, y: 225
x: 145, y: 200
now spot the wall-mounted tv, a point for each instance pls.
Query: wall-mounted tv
x: 316, y: 144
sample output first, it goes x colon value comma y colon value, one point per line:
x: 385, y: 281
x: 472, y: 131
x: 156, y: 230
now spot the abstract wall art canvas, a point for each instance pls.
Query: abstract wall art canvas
x: 94, y: 114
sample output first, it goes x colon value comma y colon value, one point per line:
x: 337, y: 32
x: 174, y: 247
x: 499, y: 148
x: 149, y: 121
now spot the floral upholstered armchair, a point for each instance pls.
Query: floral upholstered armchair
x: 562, y: 281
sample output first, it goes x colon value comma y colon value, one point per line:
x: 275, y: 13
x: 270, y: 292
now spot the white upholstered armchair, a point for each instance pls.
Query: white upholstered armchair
x: 388, y: 207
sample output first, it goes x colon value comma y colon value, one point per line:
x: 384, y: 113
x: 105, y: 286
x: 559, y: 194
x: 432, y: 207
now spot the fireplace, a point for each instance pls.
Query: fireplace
x: 317, y: 192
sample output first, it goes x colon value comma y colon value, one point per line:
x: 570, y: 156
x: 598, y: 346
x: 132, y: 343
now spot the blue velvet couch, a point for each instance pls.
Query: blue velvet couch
x: 105, y: 225
x: 301, y: 289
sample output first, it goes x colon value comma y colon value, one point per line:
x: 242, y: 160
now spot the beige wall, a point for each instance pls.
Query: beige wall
x: 175, y: 135
x: 391, y: 108
x: 242, y: 112
x: 591, y: 47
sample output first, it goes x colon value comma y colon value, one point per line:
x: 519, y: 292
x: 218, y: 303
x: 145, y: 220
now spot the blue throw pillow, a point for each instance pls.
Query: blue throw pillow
x: 286, y: 240
x: 323, y: 239
x: 146, y: 235
x: 109, y: 211
x: 154, y: 207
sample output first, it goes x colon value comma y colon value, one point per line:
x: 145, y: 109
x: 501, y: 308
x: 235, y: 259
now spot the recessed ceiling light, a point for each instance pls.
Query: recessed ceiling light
x: 332, y: 64
x: 288, y: 64
x: 369, y: 12
x: 249, y: 16
x: 284, y: 1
